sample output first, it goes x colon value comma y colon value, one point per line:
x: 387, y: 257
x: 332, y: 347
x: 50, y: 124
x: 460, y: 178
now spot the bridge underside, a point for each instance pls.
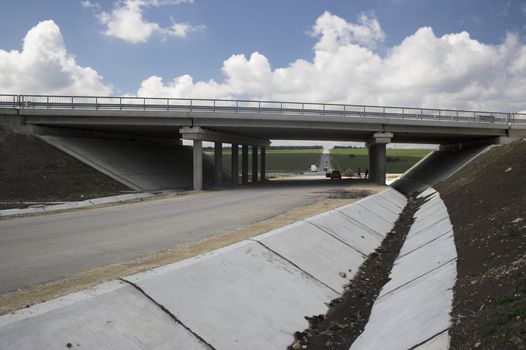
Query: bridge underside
x: 250, y: 129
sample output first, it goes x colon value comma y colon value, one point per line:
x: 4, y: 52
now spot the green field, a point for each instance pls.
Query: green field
x: 279, y: 160
x: 357, y: 158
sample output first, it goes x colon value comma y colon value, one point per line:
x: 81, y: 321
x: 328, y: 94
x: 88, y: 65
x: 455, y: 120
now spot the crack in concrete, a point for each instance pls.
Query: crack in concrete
x: 170, y: 314
x: 296, y: 266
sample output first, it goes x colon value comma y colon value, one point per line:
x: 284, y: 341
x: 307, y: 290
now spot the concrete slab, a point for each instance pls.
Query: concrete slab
x: 395, y: 196
x: 113, y: 316
x: 378, y: 210
x: 366, y: 219
x: 315, y: 252
x: 387, y: 204
x: 209, y: 295
x: 419, y: 239
x: 412, y: 314
x: 420, y: 262
x: 439, y: 342
x: 430, y: 220
x: 352, y: 233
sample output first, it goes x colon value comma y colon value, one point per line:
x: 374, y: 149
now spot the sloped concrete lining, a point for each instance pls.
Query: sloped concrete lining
x: 114, y: 316
x: 315, y: 252
x: 355, y: 236
x: 413, y: 307
x: 410, y: 315
x: 366, y: 219
x: 240, y: 297
x: 420, y: 262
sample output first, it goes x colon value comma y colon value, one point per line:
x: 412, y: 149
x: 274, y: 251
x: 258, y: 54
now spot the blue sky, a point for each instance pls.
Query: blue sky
x: 281, y: 32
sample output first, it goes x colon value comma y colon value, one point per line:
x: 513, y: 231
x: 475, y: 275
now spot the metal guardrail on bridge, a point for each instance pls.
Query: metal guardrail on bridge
x: 251, y: 106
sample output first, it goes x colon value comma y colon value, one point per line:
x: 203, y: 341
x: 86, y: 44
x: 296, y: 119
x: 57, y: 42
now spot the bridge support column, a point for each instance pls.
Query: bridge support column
x: 254, y: 164
x: 235, y: 164
x: 198, y: 165
x: 263, y: 163
x: 244, y: 164
x: 218, y: 164
x: 377, y: 156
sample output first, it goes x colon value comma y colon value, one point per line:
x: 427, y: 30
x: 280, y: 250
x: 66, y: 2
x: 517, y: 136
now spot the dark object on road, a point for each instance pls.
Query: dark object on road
x: 336, y: 174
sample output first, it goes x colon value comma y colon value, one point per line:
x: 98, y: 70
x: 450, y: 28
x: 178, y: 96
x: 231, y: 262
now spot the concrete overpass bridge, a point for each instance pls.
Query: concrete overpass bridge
x: 247, y: 123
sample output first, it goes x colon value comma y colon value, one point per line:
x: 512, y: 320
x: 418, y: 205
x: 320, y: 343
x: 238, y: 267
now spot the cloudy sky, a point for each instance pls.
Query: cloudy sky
x: 450, y: 53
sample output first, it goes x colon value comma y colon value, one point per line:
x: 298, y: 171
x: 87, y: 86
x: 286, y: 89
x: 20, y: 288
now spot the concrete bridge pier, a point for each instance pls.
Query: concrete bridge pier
x: 244, y: 164
x: 235, y: 164
x: 198, y: 164
x: 254, y: 164
x: 377, y: 156
x: 198, y: 135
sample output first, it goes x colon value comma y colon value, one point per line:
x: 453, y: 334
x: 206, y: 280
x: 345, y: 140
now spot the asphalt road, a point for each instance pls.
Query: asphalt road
x: 35, y: 250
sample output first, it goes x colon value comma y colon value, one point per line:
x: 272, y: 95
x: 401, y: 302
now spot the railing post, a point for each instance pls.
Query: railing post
x: 214, y: 106
x: 47, y: 102
x: 281, y: 108
x: 120, y: 103
x: 237, y: 106
x: 167, y: 104
x: 96, y: 103
x: 72, y: 105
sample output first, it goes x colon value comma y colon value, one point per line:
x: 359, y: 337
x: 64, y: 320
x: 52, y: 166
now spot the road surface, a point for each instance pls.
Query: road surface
x: 35, y: 250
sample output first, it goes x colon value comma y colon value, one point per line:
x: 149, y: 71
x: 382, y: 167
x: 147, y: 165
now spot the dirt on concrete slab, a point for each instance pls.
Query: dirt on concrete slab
x: 486, y: 201
x: 33, y: 171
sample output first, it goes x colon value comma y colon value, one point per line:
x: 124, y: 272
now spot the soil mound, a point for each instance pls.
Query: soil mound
x: 33, y: 171
x: 486, y: 201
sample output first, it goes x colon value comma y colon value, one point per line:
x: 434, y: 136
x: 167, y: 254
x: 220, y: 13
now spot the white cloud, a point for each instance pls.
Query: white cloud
x: 126, y: 21
x: 44, y: 66
x: 451, y: 71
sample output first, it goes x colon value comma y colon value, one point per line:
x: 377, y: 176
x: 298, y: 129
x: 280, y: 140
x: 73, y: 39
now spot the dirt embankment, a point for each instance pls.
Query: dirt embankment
x: 33, y: 171
x: 486, y: 201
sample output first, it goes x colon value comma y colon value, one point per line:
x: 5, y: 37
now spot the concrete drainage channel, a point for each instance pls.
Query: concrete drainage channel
x: 256, y: 293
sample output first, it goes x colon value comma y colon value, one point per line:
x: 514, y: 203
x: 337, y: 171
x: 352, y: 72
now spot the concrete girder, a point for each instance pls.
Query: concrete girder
x: 199, y: 133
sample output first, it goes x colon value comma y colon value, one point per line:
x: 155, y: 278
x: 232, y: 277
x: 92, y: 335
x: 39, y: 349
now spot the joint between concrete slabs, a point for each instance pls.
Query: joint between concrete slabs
x: 375, y: 214
x: 428, y: 226
x: 171, y: 315
x: 365, y: 227
x: 428, y: 339
x: 423, y: 245
x: 379, y: 202
x: 416, y: 278
x: 330, y: 234
x: 296, y: 266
